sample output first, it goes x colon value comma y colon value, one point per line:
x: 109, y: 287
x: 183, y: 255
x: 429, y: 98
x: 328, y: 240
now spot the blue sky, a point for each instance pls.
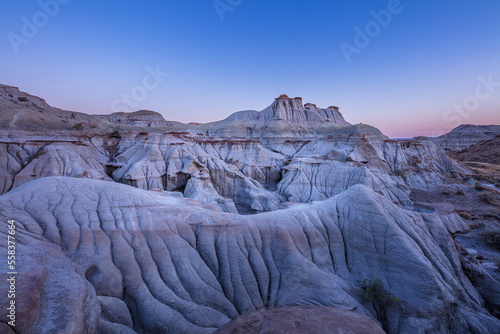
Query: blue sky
x: 430, y: 65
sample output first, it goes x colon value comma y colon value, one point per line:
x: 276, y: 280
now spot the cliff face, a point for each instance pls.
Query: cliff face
x: 291, y: 109
x: 183, y: 227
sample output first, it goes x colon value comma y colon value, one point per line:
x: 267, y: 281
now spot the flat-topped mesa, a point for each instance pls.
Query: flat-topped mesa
x: 292, y: 109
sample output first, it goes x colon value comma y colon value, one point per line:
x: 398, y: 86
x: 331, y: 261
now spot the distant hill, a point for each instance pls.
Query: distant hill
x: 466, y: 135
x: 485, y: 151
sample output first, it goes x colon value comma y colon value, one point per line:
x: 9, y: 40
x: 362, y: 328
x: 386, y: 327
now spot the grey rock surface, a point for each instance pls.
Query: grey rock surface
x: 142, y: 118
x: 181, y: 268
x: 466, y: 135
x: 302, y: 320
x: 128, y: 223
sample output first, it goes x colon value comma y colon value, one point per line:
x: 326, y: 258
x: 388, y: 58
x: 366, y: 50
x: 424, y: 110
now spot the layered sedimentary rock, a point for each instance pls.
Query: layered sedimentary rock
x: 174, y: 267
x: 302, y: 319
x: 181, y: 228
x: 142, y: 118
x: 13, y: 94
x: 466, y: 135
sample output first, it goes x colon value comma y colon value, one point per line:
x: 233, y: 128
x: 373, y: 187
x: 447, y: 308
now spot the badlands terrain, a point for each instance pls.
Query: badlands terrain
x: 289, y: 219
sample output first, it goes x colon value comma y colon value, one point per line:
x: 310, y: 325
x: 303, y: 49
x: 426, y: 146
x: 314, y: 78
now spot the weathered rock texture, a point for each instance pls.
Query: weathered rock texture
x: 466, y: 135
x: 484, y: 151
x: 302, y: 320
x: 125, y: 229
x: 143, y: 118
x: 86, y: 247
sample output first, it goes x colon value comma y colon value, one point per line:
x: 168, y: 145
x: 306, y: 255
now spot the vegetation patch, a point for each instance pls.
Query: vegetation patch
x: 487, y: 197
x: 78, y: 126
x: 492, y: 236
x: 399, y: 173
x: 479, y: 187
x: 465, y: 215
x: 374, y: 291
x: 35, y: 155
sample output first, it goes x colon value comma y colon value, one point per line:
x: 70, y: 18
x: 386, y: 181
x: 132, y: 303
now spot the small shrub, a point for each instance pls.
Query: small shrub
x: 415, y: 161
x: 496, y: 261
x: 22, y: 99
x: 34, y: 156
x: 492, y: 236
x: 373, y: 291
x: 399, y: 173
x: 478, y: 186
x: 78, y: 126
x: 476, y: 225
x: 116, y: 135
x: 465, y: 215
x: 486, y: 197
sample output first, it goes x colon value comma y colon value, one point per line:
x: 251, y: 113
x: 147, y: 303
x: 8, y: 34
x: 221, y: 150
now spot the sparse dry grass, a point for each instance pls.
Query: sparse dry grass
x: 476, y: 225
x: 492, y: 236
x: 487, y: 197
x: 465, y: 215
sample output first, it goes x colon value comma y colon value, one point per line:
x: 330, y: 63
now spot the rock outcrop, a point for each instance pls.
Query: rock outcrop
x: 142, y: 118
x: 291, y: 109
x: 300, y: 320
x: 11, y: 93
x: 127, y: 224
x: 178, y: 267
x: 466, y: 135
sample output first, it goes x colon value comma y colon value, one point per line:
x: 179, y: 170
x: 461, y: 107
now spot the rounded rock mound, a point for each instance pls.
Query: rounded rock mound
x: 301, y: 320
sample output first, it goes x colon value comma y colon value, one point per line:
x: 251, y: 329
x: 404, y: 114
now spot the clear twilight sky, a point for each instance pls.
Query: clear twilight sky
x: 409, y: 68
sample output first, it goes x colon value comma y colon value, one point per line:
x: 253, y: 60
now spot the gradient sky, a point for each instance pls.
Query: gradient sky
x: 406, y: 81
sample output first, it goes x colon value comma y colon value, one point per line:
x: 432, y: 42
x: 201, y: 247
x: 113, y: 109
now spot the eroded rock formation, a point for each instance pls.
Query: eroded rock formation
x: 184, y: 227
x: 181, y: 268
x: 466, y: 135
